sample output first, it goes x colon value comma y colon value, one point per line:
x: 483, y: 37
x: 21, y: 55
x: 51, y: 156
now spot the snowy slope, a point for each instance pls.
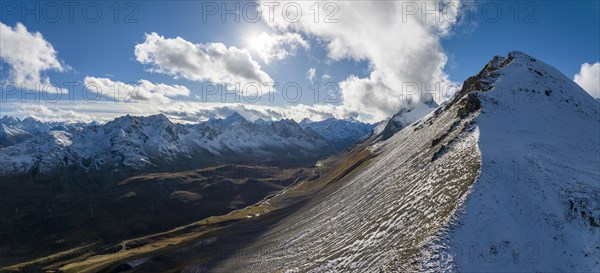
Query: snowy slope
x: 381, y: 216
x: 536, y: 206
x: 504, y: 177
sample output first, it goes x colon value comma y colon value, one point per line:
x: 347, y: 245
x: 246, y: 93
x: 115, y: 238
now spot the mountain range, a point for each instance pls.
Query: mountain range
x: 135, y: 144
x: 14, y: 131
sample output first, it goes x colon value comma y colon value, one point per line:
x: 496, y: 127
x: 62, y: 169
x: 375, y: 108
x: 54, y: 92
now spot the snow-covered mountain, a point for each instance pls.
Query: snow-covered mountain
x: 285, y: 137
x: 14, y: 130
x: 261, y: 121
x: 230, y: 120
x: 138, y: 143
x: 126, y: 142
x: 504, y: 177
x: 537, y: 198
x: 403, y: 118
x: 340, y: 133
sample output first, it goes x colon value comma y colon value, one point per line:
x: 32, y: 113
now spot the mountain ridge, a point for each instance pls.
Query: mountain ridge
x: 487, y: 168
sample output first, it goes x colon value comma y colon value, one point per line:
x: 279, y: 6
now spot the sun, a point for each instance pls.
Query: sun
x: 256, y: 42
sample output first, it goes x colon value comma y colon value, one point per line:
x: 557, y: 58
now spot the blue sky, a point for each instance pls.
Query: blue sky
x: 564, y: 34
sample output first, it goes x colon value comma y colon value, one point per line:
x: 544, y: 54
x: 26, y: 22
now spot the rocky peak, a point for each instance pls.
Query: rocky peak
x: 305, y: 121
x: 7, y: 120
x: 231, y: 119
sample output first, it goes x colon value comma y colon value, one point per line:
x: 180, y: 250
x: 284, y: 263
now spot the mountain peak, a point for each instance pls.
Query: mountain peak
x: 30, y: 119
x: 288, y: 121
x: 528, y: 87
x: 531, y: 72
x: 158, y: 118
x: 403, y: 118
x: 305, y: 121
x: 8, y: 120
x: 519, y: 54
x: 261, y: 121
x: 235, y: 117
x: 230, y: 120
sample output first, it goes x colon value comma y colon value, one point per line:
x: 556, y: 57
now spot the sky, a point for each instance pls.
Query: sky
x: 193, y: 60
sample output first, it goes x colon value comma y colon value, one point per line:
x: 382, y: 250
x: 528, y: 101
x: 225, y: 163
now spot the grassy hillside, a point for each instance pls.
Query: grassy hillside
x: 46, y: 220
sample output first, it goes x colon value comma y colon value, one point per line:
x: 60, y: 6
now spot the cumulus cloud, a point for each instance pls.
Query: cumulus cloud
x: 29, y: 55
x: 399, y: 40
x: 210, y: 62
x: 270, y: 47
x: 143, y: 90
x: 589, y: 78
x: 310, y: 74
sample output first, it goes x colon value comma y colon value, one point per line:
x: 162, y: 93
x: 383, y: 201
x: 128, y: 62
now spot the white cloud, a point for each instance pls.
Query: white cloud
x: 164, y: 89
x: 142, y: 91
x: 49, y: 112
x: 589, y: 78
x: 325, y: 77
x: 29, y: 55
x: 193, y: 112
x: 310, y: 74
x: 400, y: 47
x: 177, y: 111
x: 211, y: 62
x: 271, y: 47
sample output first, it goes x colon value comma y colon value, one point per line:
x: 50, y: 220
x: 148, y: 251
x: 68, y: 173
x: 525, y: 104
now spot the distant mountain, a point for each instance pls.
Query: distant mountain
x: 136, y: 144
x: 403, y: 118
x: 230, y: 120
x: 283, y: 138
x: 124, y: 143
x: 305, y: 121
x: 261, y: 121
x: 339, y: 133
x: 13, y: 130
